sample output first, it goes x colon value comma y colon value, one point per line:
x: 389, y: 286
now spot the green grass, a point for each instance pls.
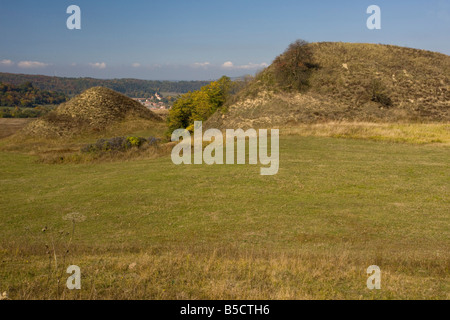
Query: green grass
x: 225, y: 232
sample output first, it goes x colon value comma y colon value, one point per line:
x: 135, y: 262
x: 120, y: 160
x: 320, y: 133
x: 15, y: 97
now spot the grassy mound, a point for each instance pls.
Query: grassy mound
x: 320, y: 82
x: 94, y: 110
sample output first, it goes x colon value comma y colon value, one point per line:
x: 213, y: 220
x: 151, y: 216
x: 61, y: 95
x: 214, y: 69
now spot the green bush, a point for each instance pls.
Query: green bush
x: 136, y: 141
x: 22, y: 112
x: 199, y: 105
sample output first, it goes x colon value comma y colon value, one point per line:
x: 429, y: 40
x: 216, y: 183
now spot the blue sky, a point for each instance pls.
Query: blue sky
x: 197, y: 39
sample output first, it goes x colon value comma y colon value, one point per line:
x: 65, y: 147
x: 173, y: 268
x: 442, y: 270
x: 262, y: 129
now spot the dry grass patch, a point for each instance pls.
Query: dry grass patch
x: 9, y: 127
x: 409, y: 133
x: 227, y: 273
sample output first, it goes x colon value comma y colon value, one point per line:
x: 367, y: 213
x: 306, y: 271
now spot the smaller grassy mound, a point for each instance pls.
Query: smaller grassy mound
x: 92, y: 111
x: 98, y: 113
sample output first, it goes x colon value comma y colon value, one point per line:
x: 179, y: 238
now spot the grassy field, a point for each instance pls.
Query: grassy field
x: 151, y: 230
x: 412, y: 133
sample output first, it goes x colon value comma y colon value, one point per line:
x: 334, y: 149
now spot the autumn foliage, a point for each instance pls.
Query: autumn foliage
x: 27, y: 96
x: 199, y: 105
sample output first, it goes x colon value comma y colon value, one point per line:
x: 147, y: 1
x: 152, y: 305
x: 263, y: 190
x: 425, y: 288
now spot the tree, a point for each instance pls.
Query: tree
x: 181, y: 112
x: 199, y: 105
x: 292, y: 69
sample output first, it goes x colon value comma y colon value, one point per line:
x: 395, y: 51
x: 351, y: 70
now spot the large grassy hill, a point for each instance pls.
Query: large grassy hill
x: 344, y: 82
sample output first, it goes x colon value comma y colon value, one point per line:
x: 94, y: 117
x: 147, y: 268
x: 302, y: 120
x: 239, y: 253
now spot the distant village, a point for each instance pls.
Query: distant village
x: 155, y: 102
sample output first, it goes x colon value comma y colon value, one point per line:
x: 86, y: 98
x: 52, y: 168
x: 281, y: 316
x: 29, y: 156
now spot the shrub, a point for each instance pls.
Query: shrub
x: 119, y: 144
x: 293, y: 68
x: 22, y: 112
x: 379, y: 94
x: 135, y: 141
x: 153, y: 142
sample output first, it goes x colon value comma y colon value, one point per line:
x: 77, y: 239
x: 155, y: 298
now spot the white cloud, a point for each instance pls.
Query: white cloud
x: 254, y: 66
x: 6, y: 63
x: 98, y: 65
x: 136, y: 65
x: 230, y: 65
x: 202, y: 64
x: 31, y: 64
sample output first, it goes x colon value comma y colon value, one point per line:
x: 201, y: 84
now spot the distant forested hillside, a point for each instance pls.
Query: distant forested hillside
x: 28, y: 96
x: 131, y: 87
